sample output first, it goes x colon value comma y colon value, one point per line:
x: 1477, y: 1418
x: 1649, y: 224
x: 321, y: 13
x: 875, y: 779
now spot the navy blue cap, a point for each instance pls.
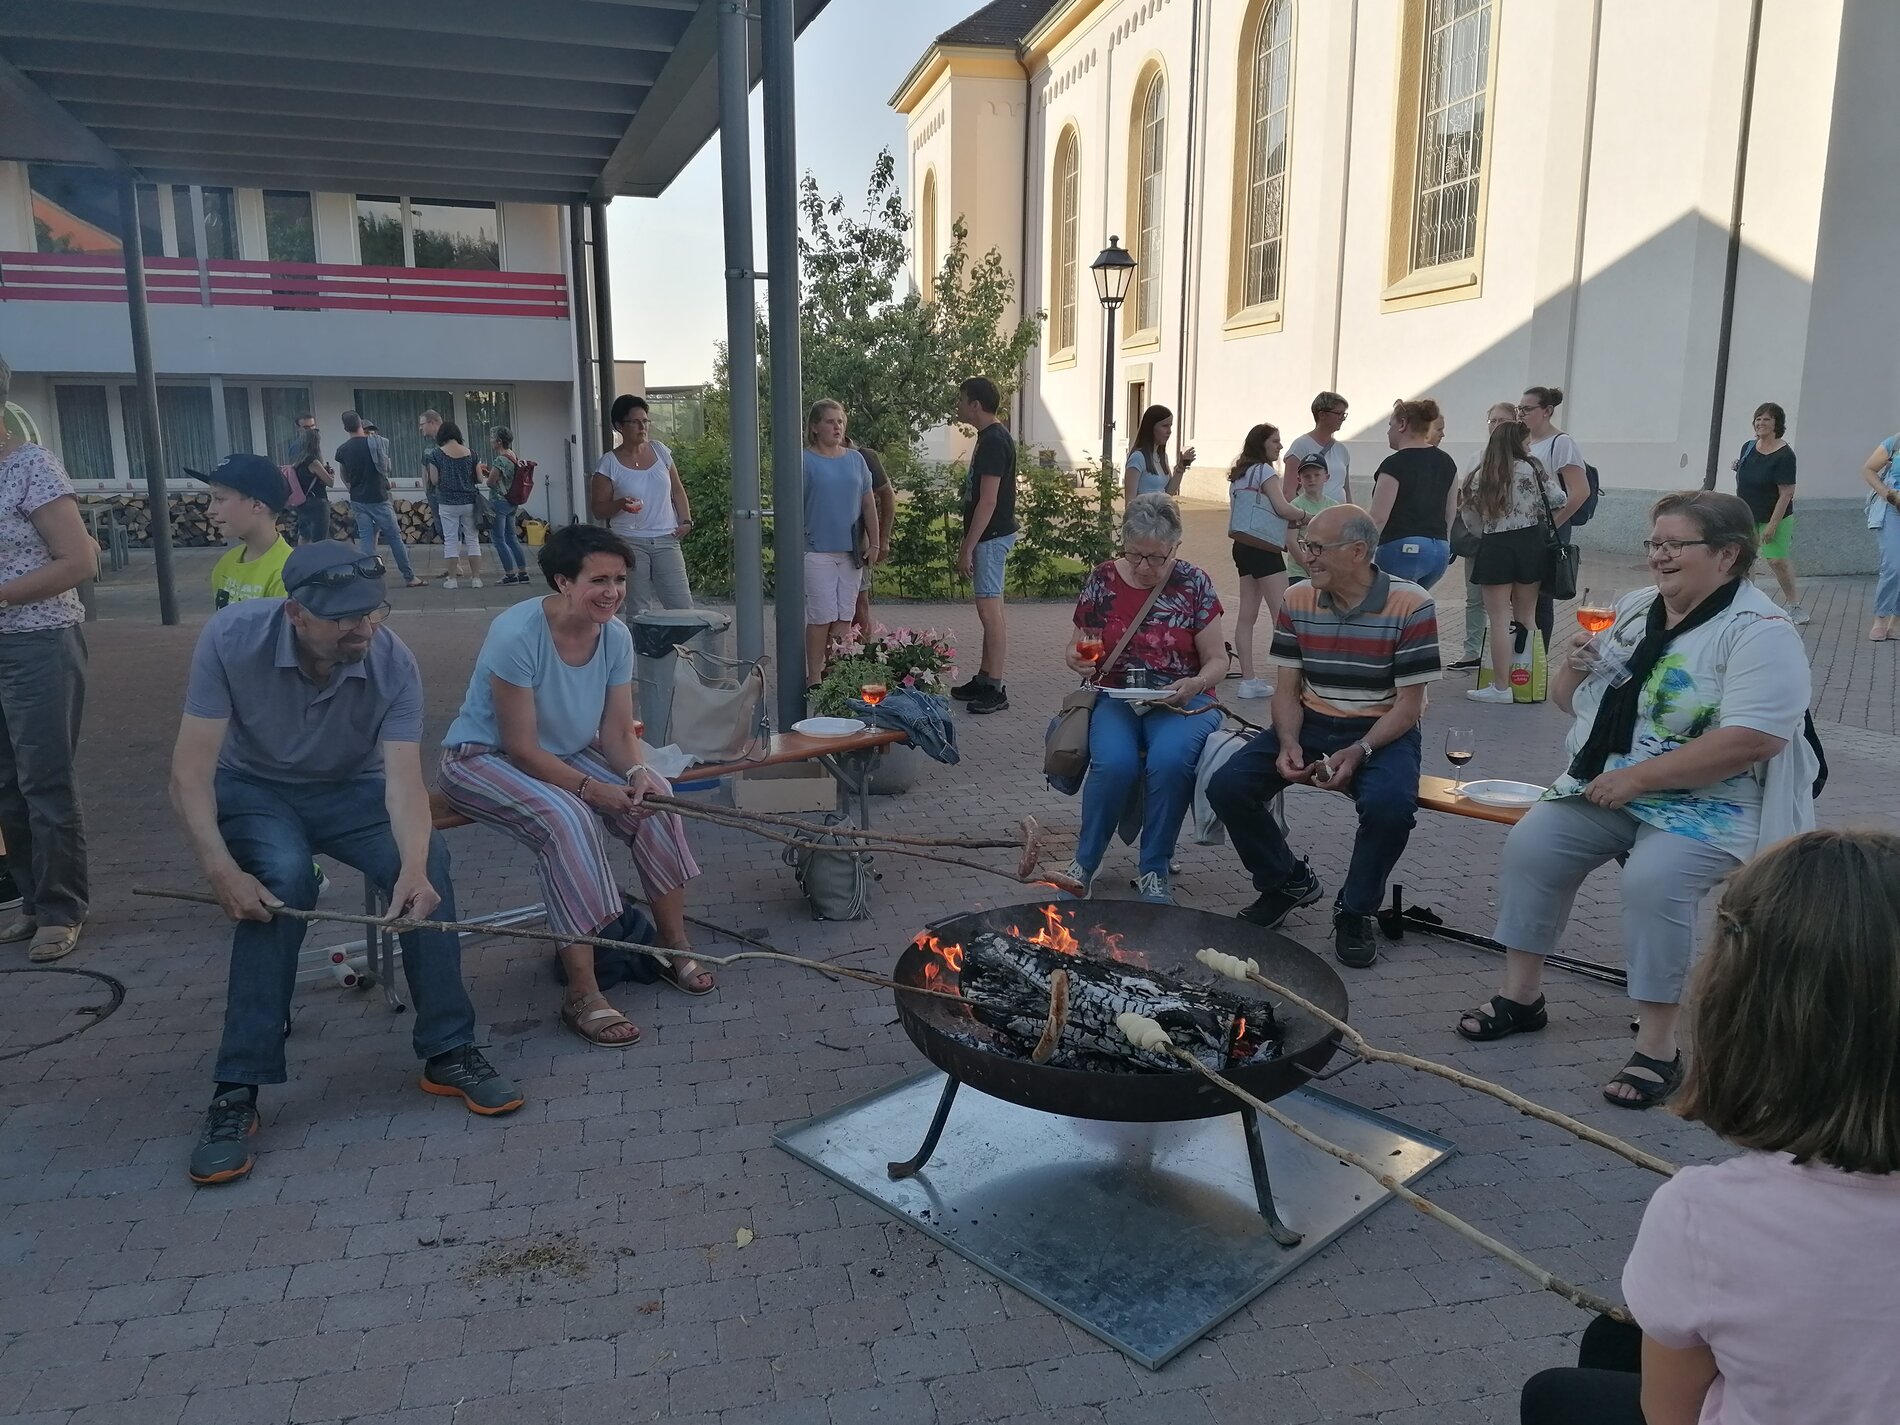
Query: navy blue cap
x: 251, y: 475
x: 332, y: 579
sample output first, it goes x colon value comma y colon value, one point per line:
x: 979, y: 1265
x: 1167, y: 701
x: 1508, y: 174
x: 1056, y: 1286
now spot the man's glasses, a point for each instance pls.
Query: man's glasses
x: 1149, y: 561
x: 373, y: 619
x: 1668, y: 548
x: 1312, y: 550
x: 338, y: 576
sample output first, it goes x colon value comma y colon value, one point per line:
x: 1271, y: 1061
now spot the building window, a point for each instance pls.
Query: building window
x: 290, y: 227
x: 482, y: 412
x: 1149, y: 148
x: 396, y: 413
x: 221, y: 223
x: 1267, y: 83
x: 74, y: 209
x: 282, y: 406
x: 927, y: 235
x: 437, y: 232
x: 85, y: 431
x: 185, y: 427
x: 1449, y: 171
x: 1064, y: 234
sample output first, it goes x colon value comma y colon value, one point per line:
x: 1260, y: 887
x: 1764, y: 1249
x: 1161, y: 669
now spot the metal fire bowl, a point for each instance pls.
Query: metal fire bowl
x: 1168, y: 936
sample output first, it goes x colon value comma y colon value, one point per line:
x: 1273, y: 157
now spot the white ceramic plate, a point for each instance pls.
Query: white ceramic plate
x: 1503, y: 794
x: 1135, y: 695
x: 828, y: 726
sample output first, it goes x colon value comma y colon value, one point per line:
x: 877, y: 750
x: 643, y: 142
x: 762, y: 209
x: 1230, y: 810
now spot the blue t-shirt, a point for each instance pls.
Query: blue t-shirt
x: 835, y: 487
x: 454, y: 476
x: 569, y: 702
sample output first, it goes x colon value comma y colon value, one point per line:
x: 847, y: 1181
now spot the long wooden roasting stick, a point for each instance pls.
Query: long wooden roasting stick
x: 658, y: 952
x: 1145, y: 1033
x: 1236, y: 968
x: 1027, y: 827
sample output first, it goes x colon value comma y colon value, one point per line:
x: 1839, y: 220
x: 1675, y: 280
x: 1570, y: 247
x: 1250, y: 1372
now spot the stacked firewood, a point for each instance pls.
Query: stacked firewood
x: 192, y: 527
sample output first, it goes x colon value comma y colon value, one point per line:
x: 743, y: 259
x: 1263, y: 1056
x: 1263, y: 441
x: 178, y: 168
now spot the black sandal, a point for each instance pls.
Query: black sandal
x: 1649, y: 1092
x: 1500, y: 1018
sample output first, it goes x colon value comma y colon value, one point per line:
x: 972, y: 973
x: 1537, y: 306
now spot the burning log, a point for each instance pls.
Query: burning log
x: 1017, y: 980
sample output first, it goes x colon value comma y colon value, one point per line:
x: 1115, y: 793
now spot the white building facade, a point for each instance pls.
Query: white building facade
x: 1446, y: 198
x: 303, y: 302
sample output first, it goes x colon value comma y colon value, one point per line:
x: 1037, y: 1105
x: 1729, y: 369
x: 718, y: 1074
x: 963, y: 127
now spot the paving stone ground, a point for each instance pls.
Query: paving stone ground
x: 394, y: 1259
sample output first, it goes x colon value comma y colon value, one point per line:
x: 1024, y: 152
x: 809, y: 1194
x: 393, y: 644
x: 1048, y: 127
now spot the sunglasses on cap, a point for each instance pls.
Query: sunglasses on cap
x: 338, y: 576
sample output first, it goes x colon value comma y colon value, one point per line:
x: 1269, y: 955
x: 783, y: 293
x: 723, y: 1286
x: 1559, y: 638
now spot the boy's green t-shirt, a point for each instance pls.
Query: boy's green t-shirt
x: 1311, y: 505
x: 234, y: 578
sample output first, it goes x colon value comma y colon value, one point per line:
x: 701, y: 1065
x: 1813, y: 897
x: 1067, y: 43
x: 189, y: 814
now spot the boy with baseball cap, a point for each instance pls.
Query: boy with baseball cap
x: 248, y: 492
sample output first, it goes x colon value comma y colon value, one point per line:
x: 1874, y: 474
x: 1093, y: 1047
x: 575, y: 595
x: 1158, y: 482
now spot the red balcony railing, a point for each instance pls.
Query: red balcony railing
x: 285, y: 286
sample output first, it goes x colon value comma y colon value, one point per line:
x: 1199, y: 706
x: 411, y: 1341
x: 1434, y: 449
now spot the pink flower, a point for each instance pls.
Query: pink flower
x: 910, y: 682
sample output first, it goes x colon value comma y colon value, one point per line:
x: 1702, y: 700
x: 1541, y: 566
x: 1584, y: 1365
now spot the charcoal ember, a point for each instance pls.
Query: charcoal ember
x: 1007, y: 978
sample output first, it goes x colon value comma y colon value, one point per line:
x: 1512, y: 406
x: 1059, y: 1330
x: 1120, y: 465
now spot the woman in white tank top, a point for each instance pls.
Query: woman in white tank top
x: 636, y: 488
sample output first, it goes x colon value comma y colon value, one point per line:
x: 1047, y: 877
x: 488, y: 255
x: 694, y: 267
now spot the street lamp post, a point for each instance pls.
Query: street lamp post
x: 1113, y: 270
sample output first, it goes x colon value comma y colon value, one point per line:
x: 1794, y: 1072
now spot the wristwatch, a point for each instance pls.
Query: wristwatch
x: 1365, y: 750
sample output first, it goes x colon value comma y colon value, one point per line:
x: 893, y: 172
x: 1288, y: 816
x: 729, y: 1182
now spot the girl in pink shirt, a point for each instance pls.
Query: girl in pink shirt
x: 1768, y: 1286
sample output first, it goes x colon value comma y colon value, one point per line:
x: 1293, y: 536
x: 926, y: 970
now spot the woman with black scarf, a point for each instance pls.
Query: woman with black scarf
x: 1686, y: 768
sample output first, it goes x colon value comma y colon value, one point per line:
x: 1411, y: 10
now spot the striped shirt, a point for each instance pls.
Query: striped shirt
x: 1353, y: 662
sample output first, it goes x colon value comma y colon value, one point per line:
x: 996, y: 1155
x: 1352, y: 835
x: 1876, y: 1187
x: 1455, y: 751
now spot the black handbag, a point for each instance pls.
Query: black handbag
x: 1562, y: 562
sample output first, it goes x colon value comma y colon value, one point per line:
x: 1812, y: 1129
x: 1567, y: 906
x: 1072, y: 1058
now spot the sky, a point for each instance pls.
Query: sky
x: 667, y: 254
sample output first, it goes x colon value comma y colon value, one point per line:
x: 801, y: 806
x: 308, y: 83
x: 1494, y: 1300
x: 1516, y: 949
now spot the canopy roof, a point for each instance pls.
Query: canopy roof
x: 551, y: 101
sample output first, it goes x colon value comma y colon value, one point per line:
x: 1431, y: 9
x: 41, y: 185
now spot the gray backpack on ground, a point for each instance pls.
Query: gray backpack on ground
x: 838, y: 887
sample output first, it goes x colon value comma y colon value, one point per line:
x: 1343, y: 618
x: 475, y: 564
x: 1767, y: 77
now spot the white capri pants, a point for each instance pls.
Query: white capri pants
x: 831, y: 587
x: 458, y: 532
x: 1558, y: 843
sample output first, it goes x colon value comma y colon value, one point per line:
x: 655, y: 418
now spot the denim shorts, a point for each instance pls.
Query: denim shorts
x: 986, y: 570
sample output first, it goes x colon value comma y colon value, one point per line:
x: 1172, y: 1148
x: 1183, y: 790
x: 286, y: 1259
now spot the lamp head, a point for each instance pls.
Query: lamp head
x: 1114, y: 269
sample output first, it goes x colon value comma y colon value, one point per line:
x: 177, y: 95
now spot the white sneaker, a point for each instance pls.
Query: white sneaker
x: 1255, y: 688
x: 475, y: 583
x: 1797, y: 615
x: 1492, y: 694
x: 1153, y: 888
x: 450, y: 583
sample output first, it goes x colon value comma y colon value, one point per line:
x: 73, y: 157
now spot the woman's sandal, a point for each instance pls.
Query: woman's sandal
x: 1648, y: 1092
x: 592, y: 1023
x: 673, y: 973
x: 1500, y: 1018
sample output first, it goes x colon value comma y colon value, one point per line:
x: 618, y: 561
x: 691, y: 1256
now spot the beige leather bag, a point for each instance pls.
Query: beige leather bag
x: 718, y: 707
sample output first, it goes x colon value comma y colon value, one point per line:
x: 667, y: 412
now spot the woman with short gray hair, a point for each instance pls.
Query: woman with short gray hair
x: 1146, y: 624
x: 45, y: 554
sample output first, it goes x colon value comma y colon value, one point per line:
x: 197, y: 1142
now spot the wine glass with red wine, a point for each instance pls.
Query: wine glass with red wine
x: 1461, y: 746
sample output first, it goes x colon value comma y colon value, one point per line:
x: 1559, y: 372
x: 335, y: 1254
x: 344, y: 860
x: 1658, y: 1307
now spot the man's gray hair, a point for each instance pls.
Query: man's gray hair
x: 6, y: 380
x: 1152, y: 516
x: 1359, y: 525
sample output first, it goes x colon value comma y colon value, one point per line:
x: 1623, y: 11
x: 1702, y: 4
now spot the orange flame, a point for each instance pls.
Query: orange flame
x: 1054, y: 935
x: 951, y: 955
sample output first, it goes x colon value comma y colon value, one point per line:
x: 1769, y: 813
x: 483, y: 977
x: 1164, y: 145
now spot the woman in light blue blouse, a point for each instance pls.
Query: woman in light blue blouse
x: 1148, y: 471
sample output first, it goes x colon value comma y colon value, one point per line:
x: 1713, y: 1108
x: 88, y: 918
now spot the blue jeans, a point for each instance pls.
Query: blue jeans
x: 1385, y: 789
x: 507, y: 538
x: 1423, y: 561
x: 374, y: 515
x: 272, y: 829
x: 1162, y: 748
x: 986, y: 568
x: 1887, y: 586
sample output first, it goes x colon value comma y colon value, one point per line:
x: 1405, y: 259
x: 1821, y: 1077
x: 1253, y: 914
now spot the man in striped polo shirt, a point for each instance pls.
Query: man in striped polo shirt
x: 1355, y: 648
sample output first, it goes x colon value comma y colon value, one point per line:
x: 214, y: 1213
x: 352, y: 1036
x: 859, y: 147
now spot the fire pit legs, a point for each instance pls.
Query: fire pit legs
x: 913, y: 1166
x: 1256, y: 1159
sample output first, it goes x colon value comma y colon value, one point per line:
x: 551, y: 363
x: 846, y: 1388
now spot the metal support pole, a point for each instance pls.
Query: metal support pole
x: 742, y: 344
x: 782, y: 299
x: 603, y: 320
x: 580, y: 313
x: 147, y: 378
x: 1108, y: 388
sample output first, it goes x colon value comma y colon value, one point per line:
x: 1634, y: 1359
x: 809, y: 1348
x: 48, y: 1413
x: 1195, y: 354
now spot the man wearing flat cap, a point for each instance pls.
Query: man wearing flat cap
x: 302, y: 734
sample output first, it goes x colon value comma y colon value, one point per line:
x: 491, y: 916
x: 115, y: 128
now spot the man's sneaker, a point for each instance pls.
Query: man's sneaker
x: 1797, y: 615
x: 1355, y: 939
x: 1074, y: 872
x: 1276, y: 905
x: 1492, y: 694
x: 963, y: 692
x: 223, y: 1153
x: 1153, y: 888
x: 10, y: 897
x: 1255, y: 688
x: 449, y: 583
x: 463, y: 1073
x: 991, y: 697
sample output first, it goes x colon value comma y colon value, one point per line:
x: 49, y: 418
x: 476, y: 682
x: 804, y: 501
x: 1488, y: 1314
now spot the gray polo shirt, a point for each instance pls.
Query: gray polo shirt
x: 284, y: 727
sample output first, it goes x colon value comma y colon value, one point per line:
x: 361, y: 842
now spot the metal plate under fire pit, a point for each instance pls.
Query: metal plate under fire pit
x: 1144, y: 1235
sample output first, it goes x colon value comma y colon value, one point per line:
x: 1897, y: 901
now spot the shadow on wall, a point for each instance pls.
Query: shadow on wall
x: 1637, y: 398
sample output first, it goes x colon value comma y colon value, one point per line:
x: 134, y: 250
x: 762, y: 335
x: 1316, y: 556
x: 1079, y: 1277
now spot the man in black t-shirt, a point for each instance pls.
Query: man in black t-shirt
x: 369, y: 497
x: 989, y: 531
